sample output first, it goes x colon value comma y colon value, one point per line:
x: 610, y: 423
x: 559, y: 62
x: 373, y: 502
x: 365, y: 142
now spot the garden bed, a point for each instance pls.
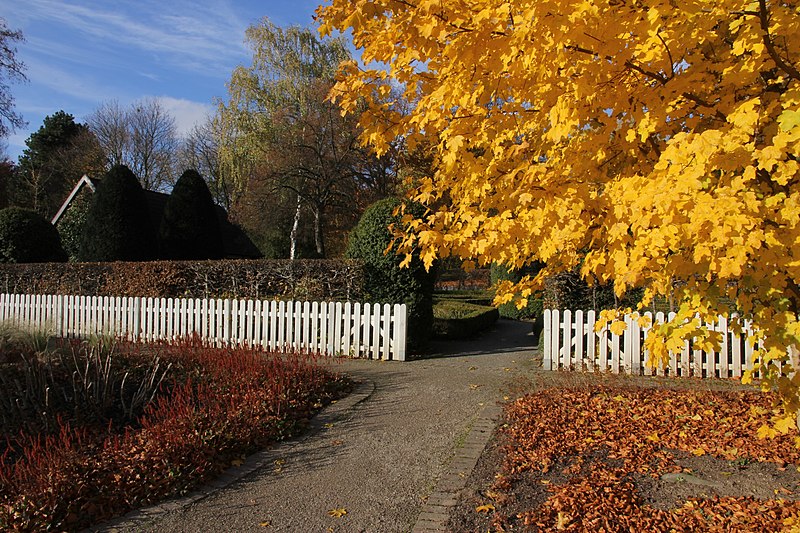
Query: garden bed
x: 102, y: 428
x: 623, y: 458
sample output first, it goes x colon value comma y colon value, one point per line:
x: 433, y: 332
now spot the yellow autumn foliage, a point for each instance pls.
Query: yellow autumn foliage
x: 654, y: 143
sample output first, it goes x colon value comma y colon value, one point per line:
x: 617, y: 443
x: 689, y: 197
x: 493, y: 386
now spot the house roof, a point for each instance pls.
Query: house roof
x: 236, y: 243
x: 85, y: 181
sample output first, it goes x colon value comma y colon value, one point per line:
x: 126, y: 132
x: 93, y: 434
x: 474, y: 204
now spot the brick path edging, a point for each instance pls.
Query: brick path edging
x: 436, y: 511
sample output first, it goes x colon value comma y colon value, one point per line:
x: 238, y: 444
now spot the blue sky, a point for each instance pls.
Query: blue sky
x: 80, y: 53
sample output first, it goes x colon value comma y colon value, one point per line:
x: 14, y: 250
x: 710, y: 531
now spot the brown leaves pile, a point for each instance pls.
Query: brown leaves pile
x: 599, y: 436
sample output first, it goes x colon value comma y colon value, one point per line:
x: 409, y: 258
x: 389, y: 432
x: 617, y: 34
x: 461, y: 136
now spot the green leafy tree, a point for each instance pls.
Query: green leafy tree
x: 386, y: 281
x: 118, y: 227
x: 190, y: 226
x: 58, y: 154
x: 282, y: 139
x: 27, y: 237
x: 71, y: 224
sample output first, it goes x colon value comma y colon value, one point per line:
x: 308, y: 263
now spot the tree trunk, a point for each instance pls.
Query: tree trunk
x: 318, y: 232
x: 293, y: 234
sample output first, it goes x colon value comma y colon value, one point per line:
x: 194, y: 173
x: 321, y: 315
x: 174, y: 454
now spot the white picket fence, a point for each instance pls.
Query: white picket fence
x: 333, y: 328
x: 571, y: 343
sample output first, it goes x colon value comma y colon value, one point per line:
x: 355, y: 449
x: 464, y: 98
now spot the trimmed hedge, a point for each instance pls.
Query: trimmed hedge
x: 240, y: 278
x: 453, y: 319
x: 189, y: 227
x: 27, y: 237
x: 118, y: 226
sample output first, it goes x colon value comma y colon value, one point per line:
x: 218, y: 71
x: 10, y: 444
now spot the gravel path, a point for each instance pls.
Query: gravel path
x: 378, y: 454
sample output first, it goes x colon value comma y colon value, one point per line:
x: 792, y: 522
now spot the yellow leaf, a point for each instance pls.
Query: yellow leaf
x: 785, y: 424
x: 766, y: 432
x: 617, y: 327
x: 699, y: 451
x: 653, y: 438
x: 789, y: 119
x: 486, y: 508
x: 337, y: 513
x: 264, y: 524
x: 563, y: 520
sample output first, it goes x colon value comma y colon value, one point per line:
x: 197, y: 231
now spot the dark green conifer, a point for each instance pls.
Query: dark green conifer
x: 190, y: 225
x: 118, y: 226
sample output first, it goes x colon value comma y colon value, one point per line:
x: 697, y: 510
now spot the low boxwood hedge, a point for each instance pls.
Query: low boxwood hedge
x: 454, y: 319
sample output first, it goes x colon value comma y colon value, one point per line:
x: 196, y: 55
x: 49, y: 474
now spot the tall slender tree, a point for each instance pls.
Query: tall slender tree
x: 288, y: 137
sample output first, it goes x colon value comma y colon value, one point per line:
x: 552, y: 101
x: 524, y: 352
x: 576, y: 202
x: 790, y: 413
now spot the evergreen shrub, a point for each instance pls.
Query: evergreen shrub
x: 509, y: 310
x: 384, y: 280
x: 27, y: 237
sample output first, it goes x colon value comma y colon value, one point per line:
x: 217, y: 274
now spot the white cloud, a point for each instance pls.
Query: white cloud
x: 186, y: 112
x: 191, y: 36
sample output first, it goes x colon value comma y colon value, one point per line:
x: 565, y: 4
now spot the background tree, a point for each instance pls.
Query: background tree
x: 27, y: 237
x: 290, y: 142
x: 59, y: 153
x: 109, y: 123
x: 200, y: 150
x: 143, y: 137
x: 190, y: 226
x: 118, y: 226
x: 654, y: 145
x: 7, y: 171
x: 11, y: 70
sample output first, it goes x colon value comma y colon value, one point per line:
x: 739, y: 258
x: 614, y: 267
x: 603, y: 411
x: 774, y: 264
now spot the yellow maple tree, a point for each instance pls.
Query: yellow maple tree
x: 653, y: 143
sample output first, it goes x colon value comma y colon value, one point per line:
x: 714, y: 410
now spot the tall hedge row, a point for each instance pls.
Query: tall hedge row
x: 259, y: 278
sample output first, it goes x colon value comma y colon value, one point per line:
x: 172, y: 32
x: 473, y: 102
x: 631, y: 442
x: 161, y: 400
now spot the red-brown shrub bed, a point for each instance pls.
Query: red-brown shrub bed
x: 217, y: 405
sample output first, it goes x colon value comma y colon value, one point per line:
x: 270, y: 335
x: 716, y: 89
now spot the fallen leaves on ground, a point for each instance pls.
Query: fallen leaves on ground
x: 640, y: 426
x: 337, y: 513
x: 602, y: 436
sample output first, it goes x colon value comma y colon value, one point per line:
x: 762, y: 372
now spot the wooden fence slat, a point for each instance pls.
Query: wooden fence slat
x: 376, y: 326
x: 385, y: 331
x: 306, y: 326
x: 580, y: 359
x: 314, y: 332
x: 298, y: 326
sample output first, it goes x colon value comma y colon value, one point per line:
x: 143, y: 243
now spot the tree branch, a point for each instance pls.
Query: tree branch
x: 763, y: 17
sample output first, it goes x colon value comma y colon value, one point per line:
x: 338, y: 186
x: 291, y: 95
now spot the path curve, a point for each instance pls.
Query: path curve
x: 379, y: 454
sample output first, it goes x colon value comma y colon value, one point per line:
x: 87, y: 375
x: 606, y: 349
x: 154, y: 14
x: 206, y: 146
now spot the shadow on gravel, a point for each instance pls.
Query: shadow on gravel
x: 506, y: 336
